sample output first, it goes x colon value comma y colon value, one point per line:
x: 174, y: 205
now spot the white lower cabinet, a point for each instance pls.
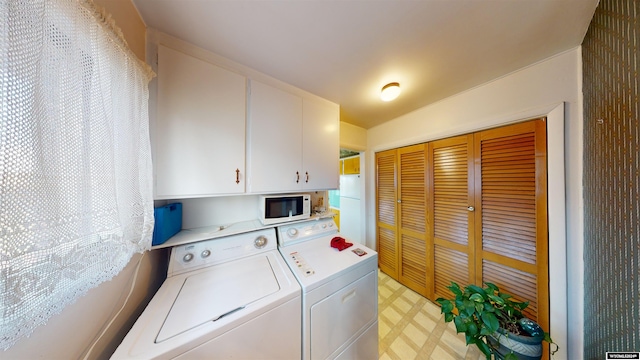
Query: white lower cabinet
x: 199, y: 137
x: 293, y: 142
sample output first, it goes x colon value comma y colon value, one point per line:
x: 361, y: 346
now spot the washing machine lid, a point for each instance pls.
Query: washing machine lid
x: 225, y: 289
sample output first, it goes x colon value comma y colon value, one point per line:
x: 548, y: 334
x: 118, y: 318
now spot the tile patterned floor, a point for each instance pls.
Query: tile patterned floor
x: 412, y: 327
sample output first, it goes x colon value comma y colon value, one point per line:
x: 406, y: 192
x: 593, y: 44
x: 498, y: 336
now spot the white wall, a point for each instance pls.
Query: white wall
x: 352, y: 137
x: 96, y: 323
x: 553, y: 88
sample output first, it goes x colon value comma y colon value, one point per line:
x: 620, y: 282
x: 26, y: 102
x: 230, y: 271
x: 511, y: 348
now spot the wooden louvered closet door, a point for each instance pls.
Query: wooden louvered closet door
x: 485, y: 214
x: 451, y: 229
x: 412, y: 205
x: 511, y: 214
x: 387, y: 246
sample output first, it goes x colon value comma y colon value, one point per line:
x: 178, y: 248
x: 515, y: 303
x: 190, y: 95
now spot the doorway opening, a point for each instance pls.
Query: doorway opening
x: 347, y: 202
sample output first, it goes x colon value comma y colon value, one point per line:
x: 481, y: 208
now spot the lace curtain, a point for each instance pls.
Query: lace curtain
x: 75, y: 164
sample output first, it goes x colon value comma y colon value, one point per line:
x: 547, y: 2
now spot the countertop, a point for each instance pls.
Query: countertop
x: 187, y: 236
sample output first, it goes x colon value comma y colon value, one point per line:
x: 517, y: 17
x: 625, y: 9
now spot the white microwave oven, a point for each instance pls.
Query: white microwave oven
x: 281, y: 208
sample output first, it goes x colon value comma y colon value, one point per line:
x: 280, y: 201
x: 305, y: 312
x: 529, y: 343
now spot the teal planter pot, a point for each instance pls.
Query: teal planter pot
x: 523, y: 347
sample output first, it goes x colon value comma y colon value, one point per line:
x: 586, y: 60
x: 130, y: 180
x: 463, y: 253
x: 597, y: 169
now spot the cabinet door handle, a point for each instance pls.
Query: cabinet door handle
x: 297, y: 177
x: 471, y: 208
x: 237, y: 176
x: 307, y: 176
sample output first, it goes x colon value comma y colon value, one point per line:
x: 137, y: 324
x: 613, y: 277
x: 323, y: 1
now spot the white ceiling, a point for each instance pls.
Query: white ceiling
x: 346, y: 50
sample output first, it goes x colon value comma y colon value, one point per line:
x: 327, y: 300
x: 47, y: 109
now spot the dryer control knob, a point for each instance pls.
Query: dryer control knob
x: 260, y: 242
x: 292, y: 232
x: 205, y: 253
x: 187, y: 257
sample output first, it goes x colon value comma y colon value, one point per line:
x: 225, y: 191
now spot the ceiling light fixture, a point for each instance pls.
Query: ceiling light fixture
x: 390, y: 91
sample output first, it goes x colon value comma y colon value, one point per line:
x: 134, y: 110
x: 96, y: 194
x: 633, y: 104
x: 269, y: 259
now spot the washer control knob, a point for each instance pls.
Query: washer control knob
x: 187, y: 257
x: 330, y: 224
x: 260, y: 242
x: 324, y: 226
x: 205, y: 253
x: 292, y: 232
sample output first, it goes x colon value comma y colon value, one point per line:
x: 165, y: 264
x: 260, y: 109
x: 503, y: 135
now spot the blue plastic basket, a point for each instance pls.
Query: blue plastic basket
x: 168, y: 222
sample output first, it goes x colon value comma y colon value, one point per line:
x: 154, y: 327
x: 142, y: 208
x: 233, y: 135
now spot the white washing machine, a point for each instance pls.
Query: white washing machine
x: 339, y: 291
x: 221, y: 300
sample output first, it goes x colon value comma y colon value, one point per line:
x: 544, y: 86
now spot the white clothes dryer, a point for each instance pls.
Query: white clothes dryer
x: 221, y: 300
x: 339, y: 291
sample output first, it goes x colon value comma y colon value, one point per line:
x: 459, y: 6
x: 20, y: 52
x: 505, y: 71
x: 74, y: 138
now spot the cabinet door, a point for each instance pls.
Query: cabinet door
x: 321, y: 145
x: 352, y: 165
x: 275, y: 140
x: 200, y: 128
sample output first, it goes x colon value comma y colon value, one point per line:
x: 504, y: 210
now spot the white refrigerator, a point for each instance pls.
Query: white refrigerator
x: 350, y: 212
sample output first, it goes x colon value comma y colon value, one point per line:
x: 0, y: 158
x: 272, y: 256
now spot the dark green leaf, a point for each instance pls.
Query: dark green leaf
x: 469, y: 307
x: 489, y: 307
x: 496, y: 299
x: 448, y: 317
x: 472, y: 329
x: 547, y: 338
x: 470, y: 340
x: 447, y: 306
x: 486, y: 350
x: 523, y: 305
x: 510, y: 356
x: 476, y: 298
x: 476, y: 289
x: 460, y: 325
x: 491, y: 322
x: 455, y: 289
x: 492, y: 286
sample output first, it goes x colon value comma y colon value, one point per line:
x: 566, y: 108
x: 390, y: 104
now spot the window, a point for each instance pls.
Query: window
x: 75, y: 165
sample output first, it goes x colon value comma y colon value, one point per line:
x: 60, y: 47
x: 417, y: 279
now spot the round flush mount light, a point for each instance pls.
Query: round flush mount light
x: 390, y: 91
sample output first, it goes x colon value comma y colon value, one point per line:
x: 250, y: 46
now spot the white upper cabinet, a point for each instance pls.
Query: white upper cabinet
x: 200, y: 128
x: 274, y: 140
x: 293, y: 142
x: 321, y: 144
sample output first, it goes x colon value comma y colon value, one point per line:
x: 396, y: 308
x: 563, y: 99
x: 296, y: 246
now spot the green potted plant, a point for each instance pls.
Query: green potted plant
x: 493, y: 321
